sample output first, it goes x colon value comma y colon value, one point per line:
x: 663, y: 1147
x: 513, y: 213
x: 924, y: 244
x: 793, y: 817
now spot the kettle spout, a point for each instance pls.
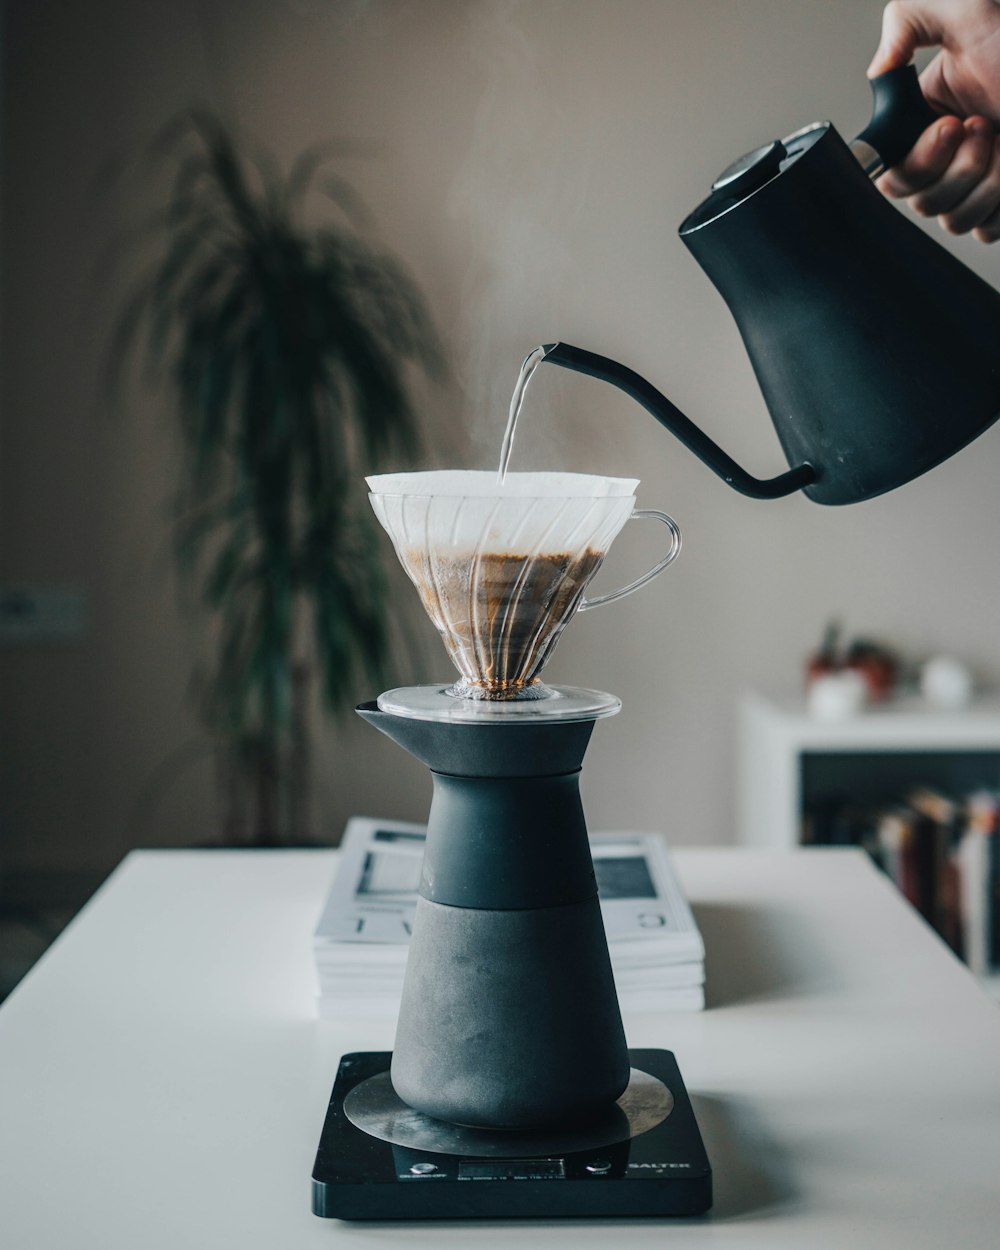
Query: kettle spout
x: 682, y: 427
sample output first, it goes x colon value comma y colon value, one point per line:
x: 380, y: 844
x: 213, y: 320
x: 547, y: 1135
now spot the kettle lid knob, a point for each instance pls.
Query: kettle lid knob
x: 751, y: 170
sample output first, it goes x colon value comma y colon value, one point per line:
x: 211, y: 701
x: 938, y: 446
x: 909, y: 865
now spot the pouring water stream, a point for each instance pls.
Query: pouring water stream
x: 531, y: 363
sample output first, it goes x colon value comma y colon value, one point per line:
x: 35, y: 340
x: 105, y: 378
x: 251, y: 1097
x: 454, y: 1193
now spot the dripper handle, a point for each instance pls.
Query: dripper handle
x: 655, y: 571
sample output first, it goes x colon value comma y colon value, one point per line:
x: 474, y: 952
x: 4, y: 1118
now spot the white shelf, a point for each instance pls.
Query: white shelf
x: 776, y: 733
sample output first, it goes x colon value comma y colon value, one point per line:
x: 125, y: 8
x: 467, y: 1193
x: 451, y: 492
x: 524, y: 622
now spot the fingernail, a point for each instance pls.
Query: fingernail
x: 947, y: 131
x: 978, y: 126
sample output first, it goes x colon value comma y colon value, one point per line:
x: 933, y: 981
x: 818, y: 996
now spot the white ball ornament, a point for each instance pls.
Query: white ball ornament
x: 945, y: 682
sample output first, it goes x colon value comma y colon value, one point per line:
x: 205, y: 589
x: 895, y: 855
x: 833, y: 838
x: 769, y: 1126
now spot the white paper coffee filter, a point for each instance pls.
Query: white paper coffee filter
x: 530, y: 513
x: 481, y: 482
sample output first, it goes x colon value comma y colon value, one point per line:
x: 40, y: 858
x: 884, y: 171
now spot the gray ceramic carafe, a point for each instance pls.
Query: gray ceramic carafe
x: 509, y: 1016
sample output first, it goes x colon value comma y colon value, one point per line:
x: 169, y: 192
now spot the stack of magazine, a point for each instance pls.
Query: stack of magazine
x: 360, y: 942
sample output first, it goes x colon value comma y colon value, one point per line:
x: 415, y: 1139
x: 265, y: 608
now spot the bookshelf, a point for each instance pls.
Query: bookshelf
x: 791, y: 765
x: 787, y: 760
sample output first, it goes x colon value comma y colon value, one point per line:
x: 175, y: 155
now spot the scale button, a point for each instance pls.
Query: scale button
x: 423, y: 1169
x: 599, y: 1166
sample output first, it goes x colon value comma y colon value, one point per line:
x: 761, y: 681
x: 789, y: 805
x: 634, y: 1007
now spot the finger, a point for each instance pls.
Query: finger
x: 905, y: 27
x: 989, y: 231
x: 927, y: 161
x: 936, y: 91
x: 968, y: 167
x: 979, y: 212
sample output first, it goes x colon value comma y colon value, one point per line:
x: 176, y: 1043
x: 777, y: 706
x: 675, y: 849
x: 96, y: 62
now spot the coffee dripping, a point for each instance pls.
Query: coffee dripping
x: 519, y: 606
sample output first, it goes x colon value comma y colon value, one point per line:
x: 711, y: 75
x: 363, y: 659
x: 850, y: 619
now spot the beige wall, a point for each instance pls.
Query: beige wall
x: 535, y: 161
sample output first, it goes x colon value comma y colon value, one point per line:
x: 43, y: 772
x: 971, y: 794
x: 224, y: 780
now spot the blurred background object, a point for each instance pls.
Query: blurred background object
x: 946, y: 682
x: 837, y: 695
x: 873, y: 663
x: 285, y: 349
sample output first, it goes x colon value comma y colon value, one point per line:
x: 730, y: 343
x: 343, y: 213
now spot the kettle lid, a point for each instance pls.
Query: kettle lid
x: 900, y: 114
x: 752, y: 171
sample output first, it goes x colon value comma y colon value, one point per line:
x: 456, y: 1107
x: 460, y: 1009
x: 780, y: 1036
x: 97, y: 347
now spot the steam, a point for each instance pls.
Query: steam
x: 515, y: 191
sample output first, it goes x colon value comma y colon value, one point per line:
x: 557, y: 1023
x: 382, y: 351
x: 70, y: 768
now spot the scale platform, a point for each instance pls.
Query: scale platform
x: 644, y: 1158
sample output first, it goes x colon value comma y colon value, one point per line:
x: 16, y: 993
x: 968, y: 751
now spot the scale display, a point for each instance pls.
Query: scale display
x: 662, y: 1170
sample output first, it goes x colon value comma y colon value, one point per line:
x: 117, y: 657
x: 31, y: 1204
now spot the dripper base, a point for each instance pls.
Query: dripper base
x: 553, y: 703
x: 465, y: 689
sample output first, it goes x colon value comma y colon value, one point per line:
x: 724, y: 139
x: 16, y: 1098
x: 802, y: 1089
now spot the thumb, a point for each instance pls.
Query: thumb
x: 906, y: 26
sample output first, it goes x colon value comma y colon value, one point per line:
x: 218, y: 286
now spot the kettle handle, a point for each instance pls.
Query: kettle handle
x: 682, y: 427
x: 900, y: 115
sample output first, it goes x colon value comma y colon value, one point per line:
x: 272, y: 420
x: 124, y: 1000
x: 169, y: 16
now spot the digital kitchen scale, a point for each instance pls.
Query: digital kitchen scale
x: 378, y: 1159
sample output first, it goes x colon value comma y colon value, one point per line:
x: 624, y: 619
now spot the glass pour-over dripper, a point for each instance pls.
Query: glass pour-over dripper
x: 502, y: 568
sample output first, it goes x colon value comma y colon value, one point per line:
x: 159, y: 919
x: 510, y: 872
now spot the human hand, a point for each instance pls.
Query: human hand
x: 953, y: 170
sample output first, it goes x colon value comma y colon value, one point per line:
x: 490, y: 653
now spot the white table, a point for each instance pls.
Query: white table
x: 163, y: 1079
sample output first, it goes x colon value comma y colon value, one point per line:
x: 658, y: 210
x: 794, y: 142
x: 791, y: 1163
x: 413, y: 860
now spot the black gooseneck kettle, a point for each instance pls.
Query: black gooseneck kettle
x: 877, y: 352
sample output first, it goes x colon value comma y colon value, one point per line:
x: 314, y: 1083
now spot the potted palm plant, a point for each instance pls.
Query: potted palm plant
x: 288, y: 348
